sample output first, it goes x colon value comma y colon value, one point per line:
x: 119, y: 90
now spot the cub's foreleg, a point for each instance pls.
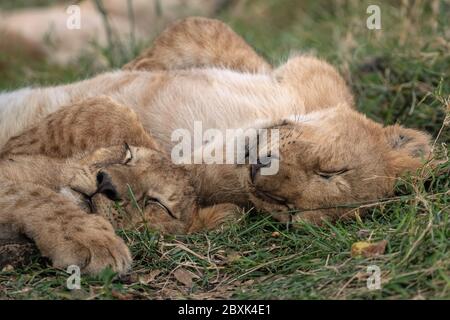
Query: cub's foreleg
x: 85, y: 126
x: 61, y: 231
x: 210, y: 218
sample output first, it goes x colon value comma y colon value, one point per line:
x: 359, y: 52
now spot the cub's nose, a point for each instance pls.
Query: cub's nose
x: 106, y: 187
x: 261, y: 163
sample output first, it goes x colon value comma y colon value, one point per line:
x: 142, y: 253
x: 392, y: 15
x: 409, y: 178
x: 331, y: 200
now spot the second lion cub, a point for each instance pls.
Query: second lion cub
x: 70, y: 207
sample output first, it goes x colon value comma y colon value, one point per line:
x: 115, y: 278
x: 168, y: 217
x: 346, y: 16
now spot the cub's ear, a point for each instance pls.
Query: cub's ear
x: 408, y: 149
x: 317, y: 83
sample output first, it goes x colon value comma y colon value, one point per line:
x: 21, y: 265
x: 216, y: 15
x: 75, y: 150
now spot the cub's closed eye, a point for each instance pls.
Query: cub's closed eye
x: 154, y: 200
x: 128, y: 154
x: 327, y: 174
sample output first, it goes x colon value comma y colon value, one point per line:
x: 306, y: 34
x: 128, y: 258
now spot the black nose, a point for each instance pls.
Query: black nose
x: 256, y: 167
x: 106, y: 187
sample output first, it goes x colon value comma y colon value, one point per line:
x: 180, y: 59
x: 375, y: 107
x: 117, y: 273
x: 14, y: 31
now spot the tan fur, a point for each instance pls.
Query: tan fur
x: 43, y: 199
x: 330, y: 154
x: 315, y: 82
x: 31, y: 203
x: 197, y: 43
x: 86, y: 126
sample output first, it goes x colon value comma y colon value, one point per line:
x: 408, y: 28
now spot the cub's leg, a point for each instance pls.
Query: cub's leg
x: 61, y: 231
x: 210, y: 218
x: 317, y: 83
x: 84, y: 126
x: 199, y: 43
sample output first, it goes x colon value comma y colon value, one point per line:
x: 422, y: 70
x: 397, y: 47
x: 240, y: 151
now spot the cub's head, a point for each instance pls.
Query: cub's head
x: 133, y: 187
x: 332, y: 160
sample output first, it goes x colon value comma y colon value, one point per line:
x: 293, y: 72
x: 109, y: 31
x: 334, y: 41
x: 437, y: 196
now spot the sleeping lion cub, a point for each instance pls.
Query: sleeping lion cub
x: 70, y: 207
x: 330, y: 156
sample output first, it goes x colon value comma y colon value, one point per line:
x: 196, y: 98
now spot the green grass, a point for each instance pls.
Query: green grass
x: 398, y: 74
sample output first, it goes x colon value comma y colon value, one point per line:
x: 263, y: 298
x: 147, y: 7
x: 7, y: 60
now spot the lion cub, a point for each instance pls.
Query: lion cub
x: 69, y: 202
x: 70, y: 208
x: 38, y: 199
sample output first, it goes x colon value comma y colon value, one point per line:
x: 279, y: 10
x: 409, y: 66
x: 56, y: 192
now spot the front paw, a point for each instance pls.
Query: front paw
x: 210, y: 218
x: 92, y: 246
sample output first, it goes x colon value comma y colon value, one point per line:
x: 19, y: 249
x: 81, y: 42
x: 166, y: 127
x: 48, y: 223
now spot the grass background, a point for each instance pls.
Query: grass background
x: 399, y: 74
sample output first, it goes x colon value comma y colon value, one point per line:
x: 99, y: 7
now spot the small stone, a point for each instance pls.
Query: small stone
x: 8, y: 268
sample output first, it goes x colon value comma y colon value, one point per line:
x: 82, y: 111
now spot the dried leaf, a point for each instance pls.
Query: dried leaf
x: 275, y: 234
x: 368, y: 249
x: 362, y: 276
x: 184, y: 276
x: 8, y: 268
x: 121, y: 296
x: 233, y: 256
x: 249, y: 282
x: 149, y: 277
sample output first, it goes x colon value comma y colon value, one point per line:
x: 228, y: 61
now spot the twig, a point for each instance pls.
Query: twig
x: 114, y: 42
x: 132, y: 19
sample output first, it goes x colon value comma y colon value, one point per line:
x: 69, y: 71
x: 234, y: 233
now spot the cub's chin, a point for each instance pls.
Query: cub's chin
x: 284, y: 211
x: 266, y: 202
